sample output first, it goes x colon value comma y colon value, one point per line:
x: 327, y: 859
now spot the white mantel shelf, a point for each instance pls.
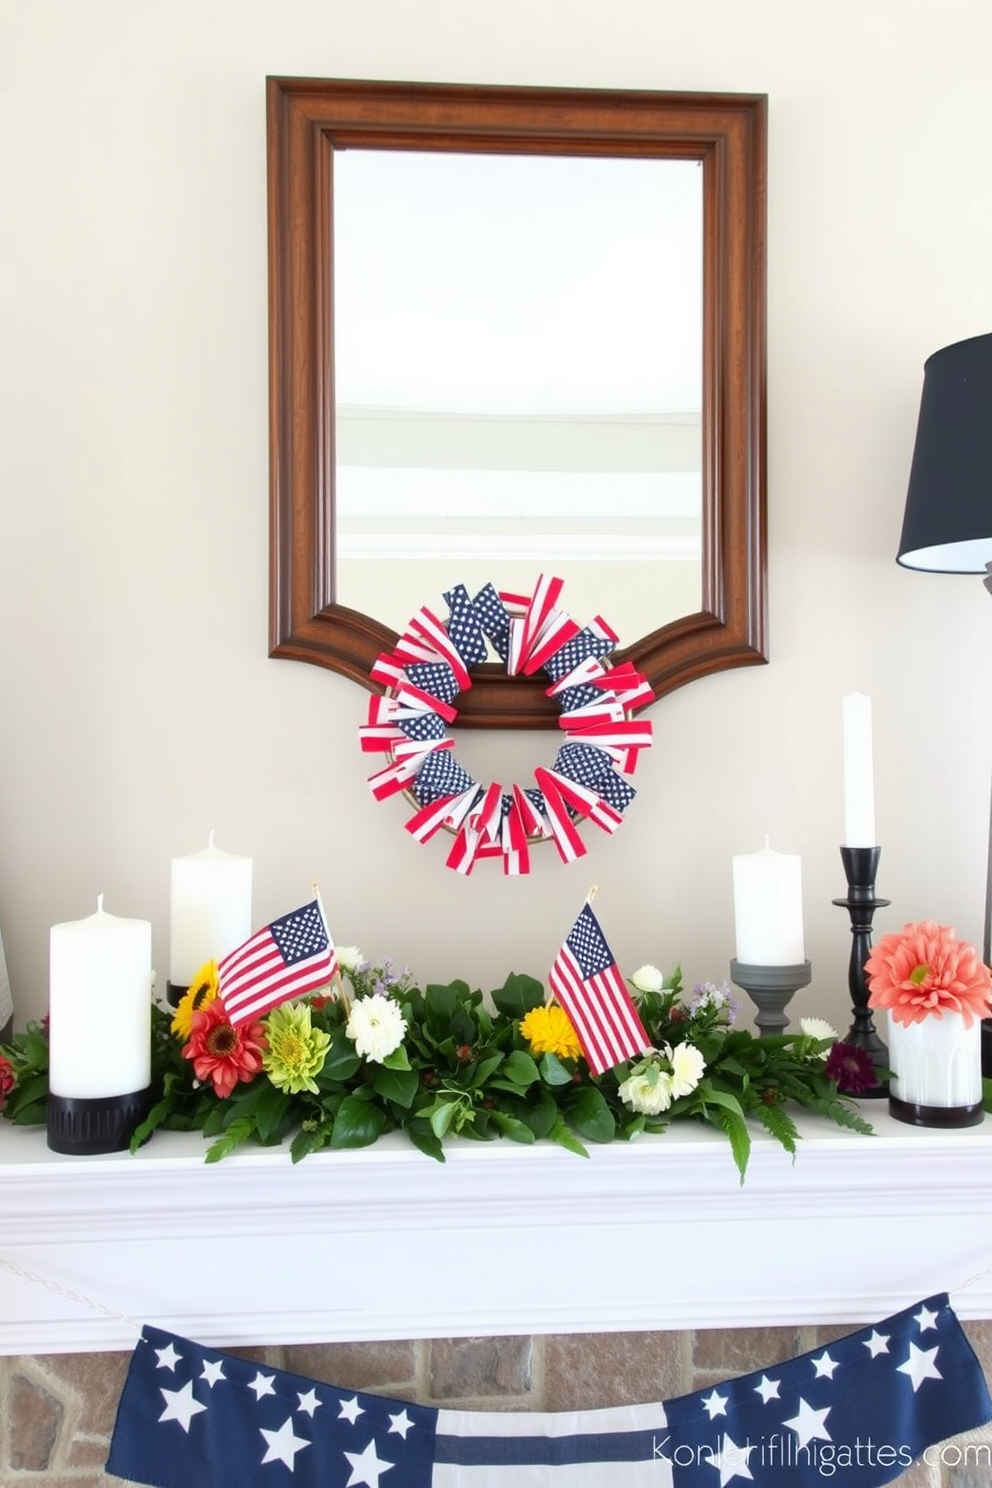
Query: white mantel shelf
x: 500, y: 1239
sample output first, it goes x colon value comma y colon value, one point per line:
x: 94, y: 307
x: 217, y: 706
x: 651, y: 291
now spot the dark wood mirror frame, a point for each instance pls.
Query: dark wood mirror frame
x: 307, y: 121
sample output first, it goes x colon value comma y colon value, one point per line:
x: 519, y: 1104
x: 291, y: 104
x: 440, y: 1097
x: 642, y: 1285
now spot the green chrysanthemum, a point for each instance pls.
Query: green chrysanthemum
x: 296, y: 1051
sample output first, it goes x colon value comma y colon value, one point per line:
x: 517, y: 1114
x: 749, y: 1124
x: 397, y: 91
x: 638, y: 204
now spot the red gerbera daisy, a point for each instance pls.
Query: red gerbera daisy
x: 221, y: 1053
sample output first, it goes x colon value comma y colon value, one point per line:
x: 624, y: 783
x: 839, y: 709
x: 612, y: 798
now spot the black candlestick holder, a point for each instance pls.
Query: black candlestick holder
x: 174, y: 994
x: 860, y: 867
x: 769, y: 988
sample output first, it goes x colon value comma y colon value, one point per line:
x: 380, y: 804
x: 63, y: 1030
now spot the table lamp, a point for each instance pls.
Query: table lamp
x: 947, y: 527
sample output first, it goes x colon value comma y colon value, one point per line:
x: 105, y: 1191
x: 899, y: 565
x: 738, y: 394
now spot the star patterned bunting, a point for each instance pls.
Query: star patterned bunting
x: 863, y: 1410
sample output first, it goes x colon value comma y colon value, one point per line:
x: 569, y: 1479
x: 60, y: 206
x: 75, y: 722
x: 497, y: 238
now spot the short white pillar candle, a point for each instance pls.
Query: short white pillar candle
x: 768, y: 908
x: 210, y: 909
x: 100, y: 999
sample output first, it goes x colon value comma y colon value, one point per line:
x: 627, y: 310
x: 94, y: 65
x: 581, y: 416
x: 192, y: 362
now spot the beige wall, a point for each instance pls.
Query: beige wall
x: 138, y: 705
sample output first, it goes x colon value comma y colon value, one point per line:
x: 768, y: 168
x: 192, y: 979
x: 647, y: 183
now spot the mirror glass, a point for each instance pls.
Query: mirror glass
x: 518, y: 380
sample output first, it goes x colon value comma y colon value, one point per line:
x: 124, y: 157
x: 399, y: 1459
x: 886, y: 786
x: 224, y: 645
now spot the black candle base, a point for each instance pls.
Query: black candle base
x: 860, y: 867
x: 175, y: 994
x: 944, y: 1116
x: 79, y: 1126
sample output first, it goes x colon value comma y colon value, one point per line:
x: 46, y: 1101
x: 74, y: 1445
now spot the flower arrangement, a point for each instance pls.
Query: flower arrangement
x: 376, y: 1053
x: 924, y: 971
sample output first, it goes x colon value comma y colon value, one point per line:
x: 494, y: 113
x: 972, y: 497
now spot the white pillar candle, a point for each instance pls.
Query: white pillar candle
x: 768, y: 908
x: 100, y: 1001
x: 859, y: 782
x: 211, y: 909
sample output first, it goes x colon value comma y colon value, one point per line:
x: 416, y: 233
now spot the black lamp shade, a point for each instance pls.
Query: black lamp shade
x: 947, y: 527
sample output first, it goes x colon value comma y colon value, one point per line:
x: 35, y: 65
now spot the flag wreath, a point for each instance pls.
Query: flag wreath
x: 866, y: 1406
x: 423, y: 676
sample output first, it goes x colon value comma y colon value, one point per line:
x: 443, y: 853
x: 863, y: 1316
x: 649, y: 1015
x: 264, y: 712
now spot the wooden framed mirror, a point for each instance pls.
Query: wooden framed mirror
x: 317, y: 128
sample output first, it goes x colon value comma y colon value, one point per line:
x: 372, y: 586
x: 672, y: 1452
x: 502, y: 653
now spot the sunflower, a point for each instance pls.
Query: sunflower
x: 549, y: 1031
x: 202, y: 991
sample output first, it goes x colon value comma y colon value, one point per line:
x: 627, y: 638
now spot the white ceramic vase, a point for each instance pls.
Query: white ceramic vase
x: 936, y: 1071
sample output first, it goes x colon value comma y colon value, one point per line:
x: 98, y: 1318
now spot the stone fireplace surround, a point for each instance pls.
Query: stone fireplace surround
x: 508, y: 1277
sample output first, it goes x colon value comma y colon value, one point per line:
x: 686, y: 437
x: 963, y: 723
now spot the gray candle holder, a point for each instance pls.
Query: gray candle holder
x: 770, y: 988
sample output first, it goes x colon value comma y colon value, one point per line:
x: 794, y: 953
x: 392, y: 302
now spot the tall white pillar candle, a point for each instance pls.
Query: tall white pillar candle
x: 100, y: 1002
x: 859, y: 779
x: 768, y: 908
x: 211, y: 909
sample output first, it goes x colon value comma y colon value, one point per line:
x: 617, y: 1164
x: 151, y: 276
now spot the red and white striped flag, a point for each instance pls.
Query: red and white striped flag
x: 289, y: 958
x: 587, y: 982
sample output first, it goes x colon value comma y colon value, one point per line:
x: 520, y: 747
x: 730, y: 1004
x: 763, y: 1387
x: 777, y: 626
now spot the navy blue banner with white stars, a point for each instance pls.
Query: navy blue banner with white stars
x: 860, y: 1410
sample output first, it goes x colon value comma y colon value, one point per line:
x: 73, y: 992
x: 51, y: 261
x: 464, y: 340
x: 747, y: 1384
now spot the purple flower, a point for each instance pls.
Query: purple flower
x: 851, y: 1068
x: 707, y: 995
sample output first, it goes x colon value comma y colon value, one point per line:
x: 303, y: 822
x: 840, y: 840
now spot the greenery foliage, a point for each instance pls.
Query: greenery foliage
x: 465, y: 1069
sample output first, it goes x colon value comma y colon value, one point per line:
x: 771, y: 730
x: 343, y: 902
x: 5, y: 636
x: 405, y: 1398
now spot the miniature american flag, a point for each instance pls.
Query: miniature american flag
x: 289, y: 958
x: 587, y: 982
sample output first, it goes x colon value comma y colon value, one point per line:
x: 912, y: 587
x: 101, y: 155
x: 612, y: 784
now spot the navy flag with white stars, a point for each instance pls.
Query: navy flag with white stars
x: 494, y: 618
x: 593, y: 767
x: 465, y: 626
x: 437, y: 678
x: 440, y: 775
x: 860, y: 1410
x: 588, y: 642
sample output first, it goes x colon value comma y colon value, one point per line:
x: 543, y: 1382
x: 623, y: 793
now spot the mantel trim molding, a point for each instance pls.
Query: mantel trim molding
x: 381, y: 1244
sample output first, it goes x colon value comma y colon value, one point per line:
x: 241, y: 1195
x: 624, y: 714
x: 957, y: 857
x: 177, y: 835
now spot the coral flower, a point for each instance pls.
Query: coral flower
x: 548, y: 1030
x: 203, y: 989
x: 924, y: 969
x: 223, y: 1054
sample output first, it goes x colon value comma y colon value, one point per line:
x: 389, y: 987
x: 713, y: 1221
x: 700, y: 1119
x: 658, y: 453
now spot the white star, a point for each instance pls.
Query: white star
x: 768, y: 1389
x: 283, y: 1444
x: 167, y: 1358
x: 926, y: 1319
x: 731, y: 1460
x: 262, y: 1384
x: 350, y: 1410
x: 809, y: 1423
x: 877, y: 1344
x: 366, y: 1467
x: 180, y: 1406
x: 400, y: 1424
x: 309, y: 1402
x: 824, y: 1366
x: 213, y: 1370
x: 920, y: 1366
x: 715, y: 1405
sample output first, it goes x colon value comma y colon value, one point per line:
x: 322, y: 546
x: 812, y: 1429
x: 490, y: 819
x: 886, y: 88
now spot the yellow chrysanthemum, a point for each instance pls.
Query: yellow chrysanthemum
x: 549, y: 1031
x: 202, y: 991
